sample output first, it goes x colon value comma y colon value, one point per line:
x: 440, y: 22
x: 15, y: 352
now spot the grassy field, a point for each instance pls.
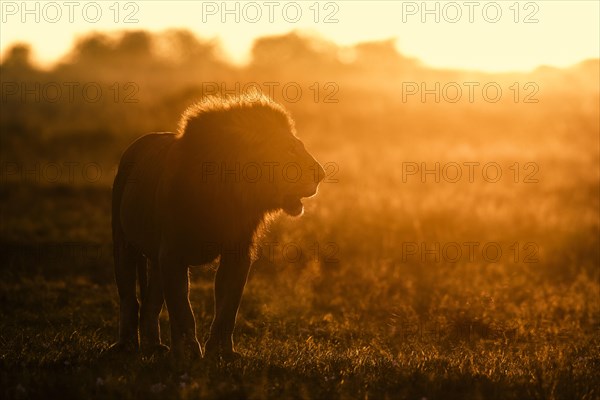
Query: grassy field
x: 359, y: 316
x: 392, y: 285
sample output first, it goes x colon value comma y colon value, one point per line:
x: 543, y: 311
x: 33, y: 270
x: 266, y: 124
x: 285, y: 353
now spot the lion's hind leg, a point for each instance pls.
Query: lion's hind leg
x: 126, y: 258
x: 152, y: 304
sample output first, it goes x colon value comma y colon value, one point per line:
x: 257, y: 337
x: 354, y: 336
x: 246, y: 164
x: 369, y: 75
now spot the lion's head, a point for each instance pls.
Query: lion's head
x: 248, y: 150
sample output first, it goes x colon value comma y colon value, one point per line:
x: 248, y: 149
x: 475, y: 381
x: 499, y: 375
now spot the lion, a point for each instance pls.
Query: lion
x: 198, y: 196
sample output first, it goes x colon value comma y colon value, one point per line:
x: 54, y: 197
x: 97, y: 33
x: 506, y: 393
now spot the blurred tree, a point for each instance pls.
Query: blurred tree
x: 382, y: 57
x: 18, y: 58
x: 294, y: 54
x: 184, y: 47
x: 91, y: 48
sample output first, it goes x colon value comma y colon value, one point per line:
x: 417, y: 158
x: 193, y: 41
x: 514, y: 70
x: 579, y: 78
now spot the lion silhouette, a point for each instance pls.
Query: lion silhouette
x: 195, y: 196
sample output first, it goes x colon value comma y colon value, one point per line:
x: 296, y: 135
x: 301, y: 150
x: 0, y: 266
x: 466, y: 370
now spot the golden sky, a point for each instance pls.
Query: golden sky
x: 484, y: 35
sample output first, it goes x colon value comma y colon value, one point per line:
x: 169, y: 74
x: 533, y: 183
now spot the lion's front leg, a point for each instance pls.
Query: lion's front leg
x: 184, y: 344
x: 229, y: 284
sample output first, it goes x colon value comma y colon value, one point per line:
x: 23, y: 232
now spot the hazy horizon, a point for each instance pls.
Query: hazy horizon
x: 227, y: 57
x: 440, y: 35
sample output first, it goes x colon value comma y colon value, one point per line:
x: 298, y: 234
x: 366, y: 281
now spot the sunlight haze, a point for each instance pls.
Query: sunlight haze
x: 488, y: 36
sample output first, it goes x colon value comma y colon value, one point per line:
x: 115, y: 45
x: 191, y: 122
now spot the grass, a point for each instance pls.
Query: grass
x: 357, y: 322
x: 56, y: 350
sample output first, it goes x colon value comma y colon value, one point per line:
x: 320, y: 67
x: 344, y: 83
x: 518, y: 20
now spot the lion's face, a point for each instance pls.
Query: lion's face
x: 301, y: 178
x: 296, y: 174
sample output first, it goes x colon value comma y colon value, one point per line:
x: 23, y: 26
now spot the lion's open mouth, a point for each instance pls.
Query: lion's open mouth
x: 292, y: 205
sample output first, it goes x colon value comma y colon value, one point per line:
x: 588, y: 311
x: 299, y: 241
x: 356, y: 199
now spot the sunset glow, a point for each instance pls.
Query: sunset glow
x: 488, y: 36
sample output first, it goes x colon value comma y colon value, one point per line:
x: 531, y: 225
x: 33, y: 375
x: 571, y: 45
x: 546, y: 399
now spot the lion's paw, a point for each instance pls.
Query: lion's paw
x: 217, y: 353
x: 186, y: 353
x: 154, y: 349
x: 121, y: 347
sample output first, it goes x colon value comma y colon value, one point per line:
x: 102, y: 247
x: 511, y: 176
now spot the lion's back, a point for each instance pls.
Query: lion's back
x: 135, y: 186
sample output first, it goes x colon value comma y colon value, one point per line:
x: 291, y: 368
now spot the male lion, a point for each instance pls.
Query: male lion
x: 188, y: 198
